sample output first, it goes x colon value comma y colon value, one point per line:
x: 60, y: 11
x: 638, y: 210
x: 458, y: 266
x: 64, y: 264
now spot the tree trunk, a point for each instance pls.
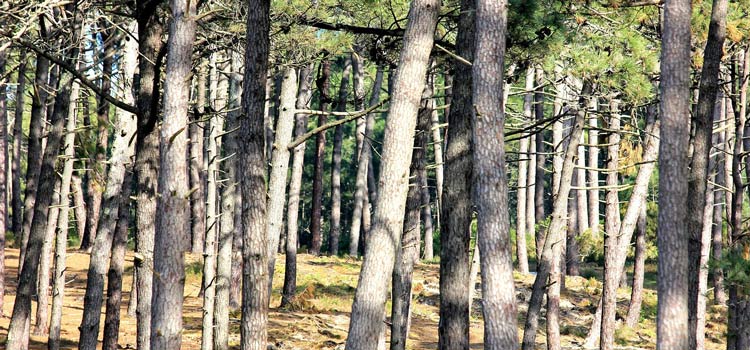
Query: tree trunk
x: 491, y: 190
x: 280, y: 168
x: 593, y: 165
x: 197, y: 171
x: 639, y: 266
x: 408, y: 254
x: 423, y: 128
x: 17, y: 200
x: 613, y: 236
x: 79, y: 204
x: 104, y: 237
x: 323, y: 84
x: 338, y: 139
x: 96, y: 176
x: 456, y: 204
x: 552, y: 250
x: 215, y: 128
x: 150, y: 31
x: 34, y: 149
x: 117, y: 266
x: 360, y: 195
x: 17, y: 337
x: 531, y: 185
x: 229, y: 195
x: 570, y: 265
x: 672, y: 241
x: 717, y: 231
x: 172, y: 219
x: 3, y: 167
x: 304, y: 94
x: 41, y: 323
x: 629, y: 222
x: 384, y: 238
x: 541, y: 156
x: 523, y: 181
x: 252, y: 180
x: 61, y: 233
x: 697, y: 182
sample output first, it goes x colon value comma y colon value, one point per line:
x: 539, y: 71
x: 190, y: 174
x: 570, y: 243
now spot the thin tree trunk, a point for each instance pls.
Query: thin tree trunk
x: 304, y: 94
x: 593, y: 165
x: 698, y: 179
x: 636, y: 295
x: 338, y: 139
x: 150, y: 31
x: 117, y: 265
x: 215, y: 128
x: 360, y: 195
x: 17, y: 200
x: 541, y: 157
x: 427, y: 223
x: 41, y: 323
x: 252, y: 181
x: 552, y: 250
x: 17, y: 337
x: 97, y: 174
x: 531, y: 184
x: 717, y: 230
x: 491, y: 190
x: 79, y: 204
x: 408, y: 254
x: 523, y: 182
x: 104, y: 237
x: 229, y: 197
x: 197, y: 171
x: 613, y: 236
x: 323, y: 84
x: 384, y: 239
x: 456, y: 203
x: 423, y: 128
x: 672, y: 241
x: 280, y: 168
x: 570, y: 265
x: 3, y: 167
x: 61, y: 233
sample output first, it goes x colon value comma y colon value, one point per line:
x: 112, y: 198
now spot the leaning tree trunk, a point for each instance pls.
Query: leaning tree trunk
x: 363, y: 166
x: 612, y: 233
x: 198, y: 196
x: 491, y: 190
x: 672, y: 241
x: 17, y: 201
x: 384, y: 239
x: 421, y: 174
x: 61, y: 233
x: 280, y: 168
x: 639, y: 269
x: 228, y: 202
x: 408, y: 254
x: 630, y: 220
x: 304, y: 94
x: 338, y: 139
x: 150, y: 31
x: 252, y: 180
x: 456, y: 205
x: 111, y: 201
x: 172, y: 217
x: 551, y: 251
x: 698, y: 179
x: 17, y: 336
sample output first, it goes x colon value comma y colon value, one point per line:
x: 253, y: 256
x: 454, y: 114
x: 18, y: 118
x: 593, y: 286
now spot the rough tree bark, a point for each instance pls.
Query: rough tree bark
x: 408, y: 254
x: 698, y: 177
x: 639, y: 267
x: 541, y: 156
x: 593, y: 164
x: 672, y: 241
x: 172, y: 217
x: 253, y: 330
x: 232, y: 147
x: 17, y: 201
x: 61, y: 233
x: 720, y: 203
x: 456, y: 204
x: 323, y: 84
x: 491, y: 186
x: 3, y: 173
x: 423, y: 129
x: 304, y: 94
x: 150, y: 16
x: 384, y: 239
x: 280, y: 168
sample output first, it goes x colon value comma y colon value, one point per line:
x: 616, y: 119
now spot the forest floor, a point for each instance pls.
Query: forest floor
x: 321, y: 316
